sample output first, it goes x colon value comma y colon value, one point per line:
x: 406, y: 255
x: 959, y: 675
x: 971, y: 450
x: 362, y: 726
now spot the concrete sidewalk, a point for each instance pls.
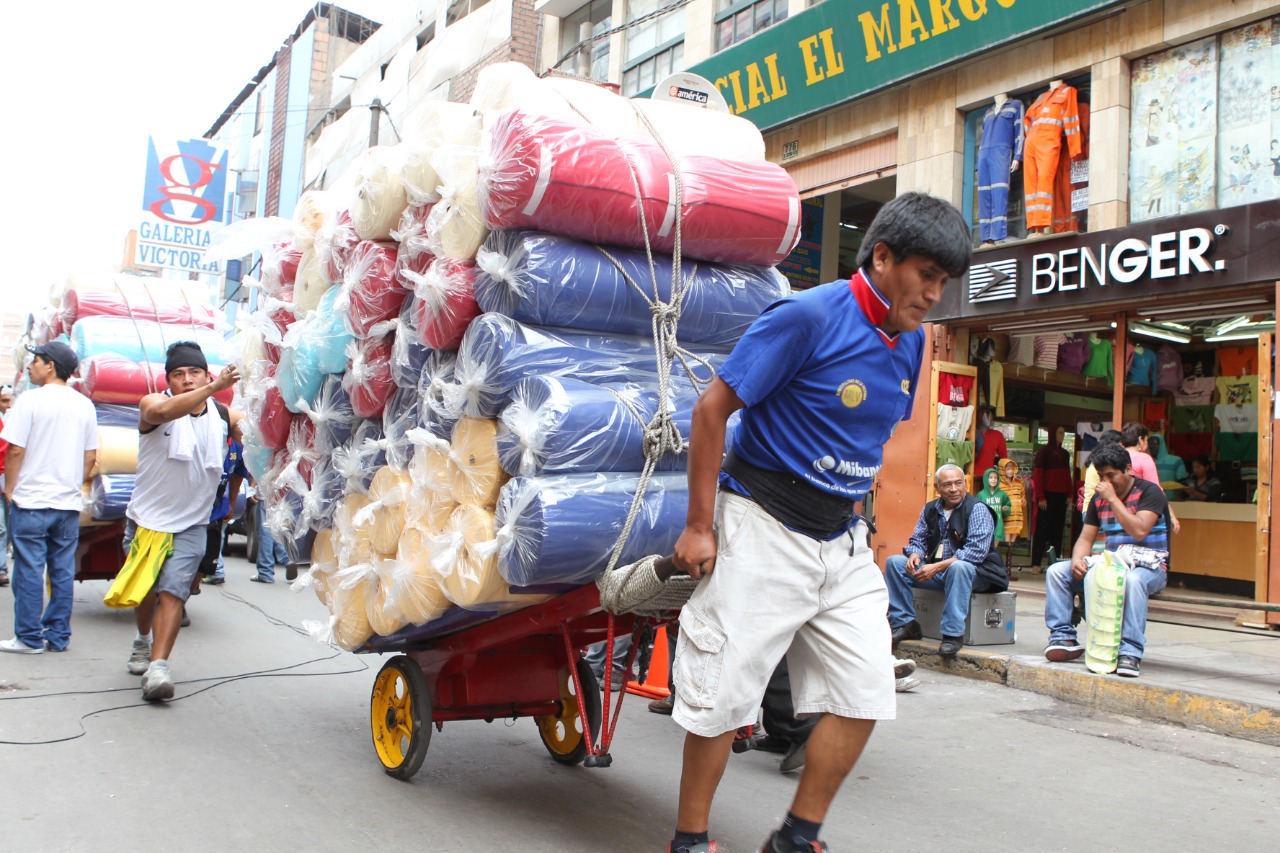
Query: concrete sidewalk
x: 1207, y: 675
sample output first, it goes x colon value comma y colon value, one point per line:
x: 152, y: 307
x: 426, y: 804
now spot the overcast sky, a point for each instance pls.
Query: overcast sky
x: 87, y: 83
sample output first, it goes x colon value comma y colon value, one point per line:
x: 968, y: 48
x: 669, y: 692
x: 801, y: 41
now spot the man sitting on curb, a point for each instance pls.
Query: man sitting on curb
x: 951, y: 549
x: 1131, y: 513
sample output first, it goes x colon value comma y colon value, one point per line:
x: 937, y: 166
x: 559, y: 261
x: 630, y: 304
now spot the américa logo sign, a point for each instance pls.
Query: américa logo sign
x: 183, y: 203
x: 835, y: 52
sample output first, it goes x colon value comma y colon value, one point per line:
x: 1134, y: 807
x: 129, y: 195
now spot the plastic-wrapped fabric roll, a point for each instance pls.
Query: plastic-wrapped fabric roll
x: 327, y: 485
x: 272, y: 428
x: 323, y: 551
x: 117, y: 450
x: 110, y: 496
x: 380, y: 195
x: 408, y: 354
x: 328, y: 333
x: 300, y: 457
x: 428, y: 511
x: 568, y: 178
x: 560, y: 425
x: 332, y: 415
x: 352, y: 542
x: 436, y: 401
x: 334, y: 245
x: 455, y: 227
x: 368, y: 380
x: 384, y: 613
x: 561, y: 530
x: 361, y: 456
x: 141, y: 340
x: 477, y: 473
x: 113, y: 415
x: 400, y: 417
x: 311, y: 284
x: 280, y: 267
x: 445, y: 302
x: 298, y: 376
x: 351, y: 590
x: 431, y: 467
x: 309, y: 215
x: 257, y: 458
x: 467, y: 556
x: 374, y: 294
x: 298, y: 549
x: 497, y: 352
x: 384, y: 515
x: 436, y: 124
x: 160, y: 307
x: 416, y: 586
x: 109, y: 378
x: 415, y: 251
x: 546, y: 280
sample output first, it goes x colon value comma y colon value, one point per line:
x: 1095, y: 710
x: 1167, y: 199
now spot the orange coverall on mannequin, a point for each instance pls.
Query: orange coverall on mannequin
x: 1064, y: 218
x: 1053, y: 115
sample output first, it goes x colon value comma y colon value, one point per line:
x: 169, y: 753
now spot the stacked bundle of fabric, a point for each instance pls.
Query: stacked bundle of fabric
x: 499, y: 298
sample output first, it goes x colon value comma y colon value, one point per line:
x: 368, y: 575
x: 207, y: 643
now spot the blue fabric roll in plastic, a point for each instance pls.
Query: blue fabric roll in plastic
x: 112, y: 414
x: 141, y: 340
x: 561, y: 529
x: 110, y: 495
x: 435, y: 397
x: 560, y: 425
x: 408, y: 354
x: 299, y: 377
x: 497, y: 352
x: 330, y: 335
x: 327, y: 485
x: 548, y: 280
x: 331, y: 413
x: 401, y: 415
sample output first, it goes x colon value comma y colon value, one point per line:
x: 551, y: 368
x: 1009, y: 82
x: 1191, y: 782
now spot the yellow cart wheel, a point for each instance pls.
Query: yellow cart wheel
x: 562, y: 733
x: 400, y: 717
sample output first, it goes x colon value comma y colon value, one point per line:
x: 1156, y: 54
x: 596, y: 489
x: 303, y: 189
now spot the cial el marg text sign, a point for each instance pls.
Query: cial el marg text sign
x: 843, y: 49
x: 183, y: 204
x: 1208, y: 251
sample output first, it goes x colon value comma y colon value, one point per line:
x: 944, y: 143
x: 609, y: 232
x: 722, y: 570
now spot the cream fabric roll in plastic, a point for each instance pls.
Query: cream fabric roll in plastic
x: 455, y: 227
x: 428, y: 511
x: 431, y: 468
x: 467, y: 556
x: 353, y: 543
x: 388, y: 494
x: 308, y: 217
x: 310, y: 284
x: 380, y: 196
x: 322, y: 550
x: 416, y: 585
x: 478, y: 474
x: 384, y: 612
x: 351, y: 591
x: 117, y: 450
x: 434, y: 125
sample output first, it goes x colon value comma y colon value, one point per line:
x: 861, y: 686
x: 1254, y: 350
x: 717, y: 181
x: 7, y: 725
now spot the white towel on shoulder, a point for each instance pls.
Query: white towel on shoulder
x: 199, y: 438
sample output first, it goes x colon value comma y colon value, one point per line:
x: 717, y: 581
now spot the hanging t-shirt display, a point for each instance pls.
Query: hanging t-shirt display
x: 1195, y: 391
x: 1238, y: 361
x: 1192, y: 418
x: 954, y: 389
x: 1168, y: 369
x: 1189, y: 445
x: 1237, y: 447
x: 1073, y: 353
x: 1237, y: 390
x: 954, y: 422
x: 1022, y: 350
x: 1202, y: 363
x: 1142, y: 370
x: 1100, y: 361
x: 1236, y: 419
x: 954, y: 452
x: 1155, y: 414
x: 1047, y: 350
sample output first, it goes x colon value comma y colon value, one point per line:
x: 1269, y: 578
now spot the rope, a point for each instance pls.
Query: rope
x: 142, y: 345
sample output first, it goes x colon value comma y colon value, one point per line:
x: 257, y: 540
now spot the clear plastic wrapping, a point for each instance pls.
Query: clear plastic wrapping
x: 322, y: 498
x: 351, y: 541
x: 445, y: 302
x: 272, y: 427
x: 374, y: 294
x: 408, y: 354
x: 141, y: 340
x: 385, y: 617
x: 311, y: 283
x: 401, y: 415
x: 117, y: 450
x: 547, y: 280
x: 455, y: 227
x: 436, y: 124
x: 562, y: 529
x: 466, y: 555
x: 380, y: 193
x: 415, y: 250
x: 436, y: 399
x: 568, y: 178
x: 111, y: 414
x: 477, y: 473
x: 334, y: 245
x: 309, y: 214
x: 280, y: 263
x: 110, y: 378
x: 160, y: 306
x: 561, y: 425
x: 332, y: 415
x: 110, y: 496
x: 497, y: 352
x: 416, y: 585
x: 351, y: 590
x: 368, y: 379
x: 384, y: 515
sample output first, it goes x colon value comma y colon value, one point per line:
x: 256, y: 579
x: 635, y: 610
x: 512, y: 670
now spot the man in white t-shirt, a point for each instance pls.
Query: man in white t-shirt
x: 52, y: 432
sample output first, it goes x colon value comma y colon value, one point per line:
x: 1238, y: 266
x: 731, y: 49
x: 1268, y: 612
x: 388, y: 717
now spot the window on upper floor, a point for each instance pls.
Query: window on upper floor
x: 657, y: 33
x: 650, y: 70
x: 257, y: 115
x: 595, y: 17
x: 459, y: 9
x: 740, y: 19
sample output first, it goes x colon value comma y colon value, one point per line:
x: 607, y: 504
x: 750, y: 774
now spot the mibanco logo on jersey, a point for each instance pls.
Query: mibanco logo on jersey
x: 845, y: 468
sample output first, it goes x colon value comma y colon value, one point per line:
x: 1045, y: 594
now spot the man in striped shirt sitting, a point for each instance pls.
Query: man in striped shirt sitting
x: 1133, y: 515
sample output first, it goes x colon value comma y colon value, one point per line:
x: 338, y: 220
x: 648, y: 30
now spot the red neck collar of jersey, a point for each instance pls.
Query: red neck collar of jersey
x: 873, y: 304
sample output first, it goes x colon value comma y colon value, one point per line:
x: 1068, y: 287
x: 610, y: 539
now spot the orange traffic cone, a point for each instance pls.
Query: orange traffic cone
x: 655, y: 683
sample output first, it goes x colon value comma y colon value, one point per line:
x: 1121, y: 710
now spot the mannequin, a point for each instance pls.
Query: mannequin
x: 1053, y: 116
x: 999, y: 155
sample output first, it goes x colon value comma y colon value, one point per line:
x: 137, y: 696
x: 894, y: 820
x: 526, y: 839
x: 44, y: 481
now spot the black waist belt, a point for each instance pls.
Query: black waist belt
x: 793, y: 501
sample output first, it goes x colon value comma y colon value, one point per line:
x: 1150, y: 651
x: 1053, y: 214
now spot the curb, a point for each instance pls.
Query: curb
x: 1228, y: 717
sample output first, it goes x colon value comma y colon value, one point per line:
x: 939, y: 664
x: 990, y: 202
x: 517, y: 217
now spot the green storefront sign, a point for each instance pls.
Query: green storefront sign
x: 843, y: 49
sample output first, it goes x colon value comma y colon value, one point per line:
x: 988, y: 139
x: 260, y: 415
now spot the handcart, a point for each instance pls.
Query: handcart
x: 100, y: 552
x: 484, y: 666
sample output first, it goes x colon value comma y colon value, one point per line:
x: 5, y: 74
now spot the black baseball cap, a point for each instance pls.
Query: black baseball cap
x: 59, y: 353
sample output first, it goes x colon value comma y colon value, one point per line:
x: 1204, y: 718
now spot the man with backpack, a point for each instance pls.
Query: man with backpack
x: 952, y: 549
x: 182, y: 444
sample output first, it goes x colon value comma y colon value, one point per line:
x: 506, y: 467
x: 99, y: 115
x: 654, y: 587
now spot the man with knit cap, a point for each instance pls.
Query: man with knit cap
x: 183, y: 434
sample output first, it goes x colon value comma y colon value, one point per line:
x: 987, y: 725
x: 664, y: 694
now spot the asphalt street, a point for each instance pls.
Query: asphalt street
x: 283, y: 761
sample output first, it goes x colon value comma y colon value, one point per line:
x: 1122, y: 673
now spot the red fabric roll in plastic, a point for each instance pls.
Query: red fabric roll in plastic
x: 374, y: 293
x: 446, y: 303
x: 162, y: 307
x: 414, y: 255
x: 341, y: 244
x: 280, y: 268
x: 368, y: 380
x: 572, y: 179
x: 111, y: 379
x: 275, y: 420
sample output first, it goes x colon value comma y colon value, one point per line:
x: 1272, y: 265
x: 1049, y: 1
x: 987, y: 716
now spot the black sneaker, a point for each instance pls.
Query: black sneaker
x: 950, y: 646
x: 778, y: 844
x: 1061, y: 651
x: 1128, y: 666
x: 909, y: 631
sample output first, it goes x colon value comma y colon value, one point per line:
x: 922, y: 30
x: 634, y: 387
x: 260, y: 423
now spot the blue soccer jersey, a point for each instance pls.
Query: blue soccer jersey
x: 824, y: 386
